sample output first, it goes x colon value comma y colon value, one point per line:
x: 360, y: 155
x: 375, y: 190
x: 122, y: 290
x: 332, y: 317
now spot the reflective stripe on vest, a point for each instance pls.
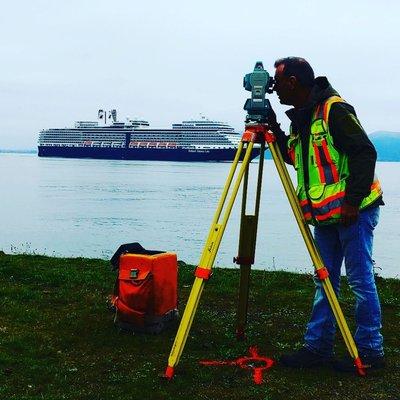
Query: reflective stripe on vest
x: 322, y: 199
x: 306, y: 209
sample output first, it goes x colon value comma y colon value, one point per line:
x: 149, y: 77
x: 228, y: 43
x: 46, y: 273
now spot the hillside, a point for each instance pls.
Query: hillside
x: 387, y: 145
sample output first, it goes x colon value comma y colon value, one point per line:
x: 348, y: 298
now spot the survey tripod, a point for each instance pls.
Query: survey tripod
x: 256, y: 133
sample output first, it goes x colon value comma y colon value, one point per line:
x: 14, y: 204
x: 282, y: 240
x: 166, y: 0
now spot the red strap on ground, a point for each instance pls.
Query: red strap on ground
x: 322, y: 273
x: 204, y: 273
x: 248, y: 362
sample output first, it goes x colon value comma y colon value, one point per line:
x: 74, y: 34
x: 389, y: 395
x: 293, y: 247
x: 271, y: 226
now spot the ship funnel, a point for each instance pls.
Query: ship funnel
x: 114, y: 115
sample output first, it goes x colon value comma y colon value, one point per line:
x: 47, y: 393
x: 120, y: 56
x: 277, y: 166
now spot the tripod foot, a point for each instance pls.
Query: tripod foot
x: 360, y: 368
x: 169, y: 373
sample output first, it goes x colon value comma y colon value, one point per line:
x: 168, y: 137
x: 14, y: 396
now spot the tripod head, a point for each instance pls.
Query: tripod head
x: 258, y: 82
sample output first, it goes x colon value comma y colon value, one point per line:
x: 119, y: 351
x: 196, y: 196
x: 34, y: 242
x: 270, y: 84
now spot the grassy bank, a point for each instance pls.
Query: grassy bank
x: 57, y: 339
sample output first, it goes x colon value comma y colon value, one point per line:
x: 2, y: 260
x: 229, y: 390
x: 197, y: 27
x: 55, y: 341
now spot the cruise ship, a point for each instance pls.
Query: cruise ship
x: 107, y: 138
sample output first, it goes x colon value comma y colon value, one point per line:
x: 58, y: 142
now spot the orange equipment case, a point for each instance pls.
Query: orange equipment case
x: 146, y: 293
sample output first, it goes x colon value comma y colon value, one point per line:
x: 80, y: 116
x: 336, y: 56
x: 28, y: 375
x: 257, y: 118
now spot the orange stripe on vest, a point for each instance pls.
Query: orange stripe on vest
x: 328, y: 214
x: 320, y: 169
x: 329, y: 159
x: 328, y: 200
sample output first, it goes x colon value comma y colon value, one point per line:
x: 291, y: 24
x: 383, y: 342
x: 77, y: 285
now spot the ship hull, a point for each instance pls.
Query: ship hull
x: 141, y: 154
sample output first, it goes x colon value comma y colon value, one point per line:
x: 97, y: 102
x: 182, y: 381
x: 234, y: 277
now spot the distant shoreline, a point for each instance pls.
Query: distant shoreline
x: 23, y: 151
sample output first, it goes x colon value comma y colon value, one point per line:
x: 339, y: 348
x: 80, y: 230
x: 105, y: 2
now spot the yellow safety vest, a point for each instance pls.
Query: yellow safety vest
x: 328, y: 170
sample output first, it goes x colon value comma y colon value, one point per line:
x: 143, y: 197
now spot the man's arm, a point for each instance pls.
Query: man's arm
x: 281, y: 138
x: 350, y: 138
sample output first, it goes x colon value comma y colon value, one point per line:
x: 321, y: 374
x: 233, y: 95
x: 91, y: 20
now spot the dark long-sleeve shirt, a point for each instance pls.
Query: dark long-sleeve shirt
x: 348, y: 137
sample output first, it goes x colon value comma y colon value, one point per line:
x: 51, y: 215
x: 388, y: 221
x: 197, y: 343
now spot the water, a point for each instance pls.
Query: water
x: 88, y: 208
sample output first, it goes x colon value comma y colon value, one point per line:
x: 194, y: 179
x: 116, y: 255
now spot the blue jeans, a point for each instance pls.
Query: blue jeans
x: 354, y: 245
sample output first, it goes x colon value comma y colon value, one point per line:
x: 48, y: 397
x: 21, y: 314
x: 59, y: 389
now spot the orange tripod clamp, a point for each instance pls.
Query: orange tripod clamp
x: 259, y: 133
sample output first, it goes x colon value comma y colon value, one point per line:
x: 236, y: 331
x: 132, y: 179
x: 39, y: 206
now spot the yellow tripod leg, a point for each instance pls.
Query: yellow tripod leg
x: 208, y: 256
x: 315, y: 256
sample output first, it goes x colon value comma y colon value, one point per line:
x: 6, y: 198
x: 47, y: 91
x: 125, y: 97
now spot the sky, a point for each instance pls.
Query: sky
x: 167, y: 61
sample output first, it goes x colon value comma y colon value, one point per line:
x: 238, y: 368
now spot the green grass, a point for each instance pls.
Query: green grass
x: 57, y: 339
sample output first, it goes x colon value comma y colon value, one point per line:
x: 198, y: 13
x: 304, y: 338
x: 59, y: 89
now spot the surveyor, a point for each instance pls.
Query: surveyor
x: 340, y: 195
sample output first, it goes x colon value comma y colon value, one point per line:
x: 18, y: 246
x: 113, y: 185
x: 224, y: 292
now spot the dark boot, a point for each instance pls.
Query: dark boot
x: 370, y: 362
x: 304, y: 358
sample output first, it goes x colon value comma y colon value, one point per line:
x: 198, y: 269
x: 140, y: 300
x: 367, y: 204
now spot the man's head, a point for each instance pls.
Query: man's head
x: 294, y: 79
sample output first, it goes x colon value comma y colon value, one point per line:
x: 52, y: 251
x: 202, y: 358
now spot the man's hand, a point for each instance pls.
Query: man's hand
x: 273, y: 125
x: 271, y: 118
x: 349, y: 214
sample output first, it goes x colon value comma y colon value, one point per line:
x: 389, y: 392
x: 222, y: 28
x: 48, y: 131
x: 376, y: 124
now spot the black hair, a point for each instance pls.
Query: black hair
x: 298, y: 67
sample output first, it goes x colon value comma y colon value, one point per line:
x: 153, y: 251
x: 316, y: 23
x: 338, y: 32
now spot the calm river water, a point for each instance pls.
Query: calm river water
x: 66, y: 207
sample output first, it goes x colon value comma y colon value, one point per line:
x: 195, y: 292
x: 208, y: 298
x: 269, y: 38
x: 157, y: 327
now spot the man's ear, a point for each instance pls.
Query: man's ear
x: 292, y: 82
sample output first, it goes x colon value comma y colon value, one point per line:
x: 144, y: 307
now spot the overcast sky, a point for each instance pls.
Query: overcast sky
x: 166, y: 61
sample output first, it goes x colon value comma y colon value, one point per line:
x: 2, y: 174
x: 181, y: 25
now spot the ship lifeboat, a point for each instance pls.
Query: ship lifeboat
x: 87, y: 143
x: 133, y: 144
x: 161, y: 145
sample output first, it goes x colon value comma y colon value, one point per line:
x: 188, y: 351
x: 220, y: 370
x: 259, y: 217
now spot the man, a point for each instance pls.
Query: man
x: 340, y: 196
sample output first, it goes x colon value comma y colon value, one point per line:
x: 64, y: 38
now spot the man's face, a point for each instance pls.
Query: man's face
x: 284, y: 86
